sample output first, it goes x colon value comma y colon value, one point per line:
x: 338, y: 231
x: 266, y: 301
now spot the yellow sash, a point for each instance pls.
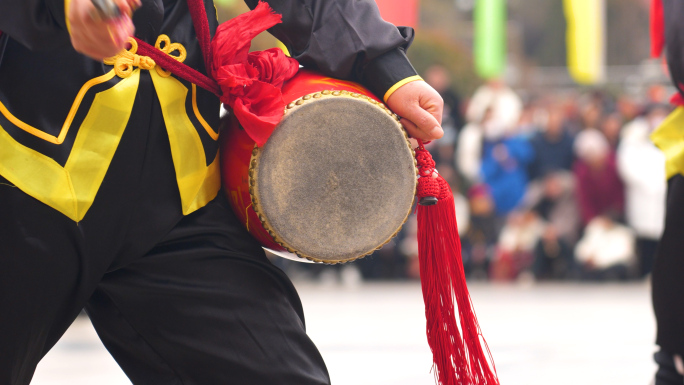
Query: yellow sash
x: 72, y: 189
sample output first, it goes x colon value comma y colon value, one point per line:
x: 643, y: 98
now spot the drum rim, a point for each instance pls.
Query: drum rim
x: 256, y: 155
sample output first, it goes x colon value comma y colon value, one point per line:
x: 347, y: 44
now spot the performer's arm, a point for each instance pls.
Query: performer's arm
x: 348, y: 39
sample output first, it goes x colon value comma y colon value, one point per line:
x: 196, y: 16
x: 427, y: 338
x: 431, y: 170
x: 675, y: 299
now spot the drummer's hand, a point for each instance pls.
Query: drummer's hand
x: 420, y: 108
x: 98, y: 38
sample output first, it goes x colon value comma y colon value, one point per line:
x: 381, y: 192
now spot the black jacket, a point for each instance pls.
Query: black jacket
x: 49, y: 92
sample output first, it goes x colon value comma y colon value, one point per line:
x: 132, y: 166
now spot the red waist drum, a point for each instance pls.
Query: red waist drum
x: 336, y: 179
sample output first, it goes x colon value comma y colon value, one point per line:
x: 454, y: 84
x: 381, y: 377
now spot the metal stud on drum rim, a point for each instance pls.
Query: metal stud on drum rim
x: 361, y: 170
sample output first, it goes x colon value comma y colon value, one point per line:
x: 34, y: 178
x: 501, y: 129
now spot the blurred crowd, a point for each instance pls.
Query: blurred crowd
x: 547, y: 187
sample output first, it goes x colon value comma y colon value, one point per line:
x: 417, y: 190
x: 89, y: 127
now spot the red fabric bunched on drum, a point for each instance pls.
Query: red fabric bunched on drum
x: 657, y: 28
x: 458, y: 353
x: 251, y: 83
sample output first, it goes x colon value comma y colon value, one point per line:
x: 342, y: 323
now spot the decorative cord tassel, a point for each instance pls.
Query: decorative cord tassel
x: 453, y: 332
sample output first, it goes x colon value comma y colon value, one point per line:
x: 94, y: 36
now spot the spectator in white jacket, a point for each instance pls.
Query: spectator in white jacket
x: 642, y: 168
x: 606, y: 251
x: 504, y: 103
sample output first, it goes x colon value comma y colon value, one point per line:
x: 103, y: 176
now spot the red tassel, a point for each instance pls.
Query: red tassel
x: 460, y: 353
x: 657, y: 28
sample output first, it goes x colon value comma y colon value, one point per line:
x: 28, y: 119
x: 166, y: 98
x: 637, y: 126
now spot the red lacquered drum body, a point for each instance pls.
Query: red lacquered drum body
x: 333, y: 183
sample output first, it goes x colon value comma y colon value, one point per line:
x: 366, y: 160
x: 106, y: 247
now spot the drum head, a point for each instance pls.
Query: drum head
x: 337, y: 178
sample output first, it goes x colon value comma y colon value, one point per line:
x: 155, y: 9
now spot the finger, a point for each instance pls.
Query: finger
x: 415, y: 132
x: 435, y: 109
x: 411, y: 128
x: 134, y: 4
x: 103, y: 41
x: 124, y: 7
x: 120, y: 30
x: 425, y: 123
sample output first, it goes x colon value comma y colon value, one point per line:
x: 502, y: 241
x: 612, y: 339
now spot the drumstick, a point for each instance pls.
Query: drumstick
x: 109, y: 10
x: 105, y: 9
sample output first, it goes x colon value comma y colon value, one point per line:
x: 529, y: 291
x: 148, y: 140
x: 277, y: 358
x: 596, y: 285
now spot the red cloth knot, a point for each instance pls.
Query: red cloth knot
x: 251, y: 83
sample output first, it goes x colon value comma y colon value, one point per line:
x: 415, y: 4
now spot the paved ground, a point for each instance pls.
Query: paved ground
x: 373, y: 334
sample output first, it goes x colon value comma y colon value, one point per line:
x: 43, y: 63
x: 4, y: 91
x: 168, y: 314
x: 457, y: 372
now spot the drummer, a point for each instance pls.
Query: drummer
x: 91, y: 210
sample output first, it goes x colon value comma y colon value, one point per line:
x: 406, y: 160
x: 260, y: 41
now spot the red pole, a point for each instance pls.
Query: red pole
x: 399, y: 12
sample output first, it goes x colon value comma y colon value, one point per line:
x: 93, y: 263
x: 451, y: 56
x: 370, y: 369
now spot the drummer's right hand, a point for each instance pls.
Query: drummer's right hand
x: 95, y: 37
x: 420, y: 107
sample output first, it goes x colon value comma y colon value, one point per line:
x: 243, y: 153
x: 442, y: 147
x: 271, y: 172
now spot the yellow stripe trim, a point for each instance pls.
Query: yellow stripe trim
x: 71, y: 189
x: 70, y: 117
x: 399, y: 84
x: 214, y: 135
x: 66, y: 15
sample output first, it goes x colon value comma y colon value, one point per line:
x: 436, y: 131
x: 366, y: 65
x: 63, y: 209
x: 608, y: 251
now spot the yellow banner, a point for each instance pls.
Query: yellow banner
x: 585, y: 39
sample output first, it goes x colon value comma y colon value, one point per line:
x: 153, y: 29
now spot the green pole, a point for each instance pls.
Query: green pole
x: 489, y: 18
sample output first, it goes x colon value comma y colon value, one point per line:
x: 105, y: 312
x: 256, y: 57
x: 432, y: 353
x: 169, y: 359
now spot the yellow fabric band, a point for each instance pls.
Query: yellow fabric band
x: 399, y: 84
x: 67, y: 3
x: 71, y: 189
x: 669, y: 137
x: 198, y: 183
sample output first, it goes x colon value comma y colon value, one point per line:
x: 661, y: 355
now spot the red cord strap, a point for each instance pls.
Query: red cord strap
x: 201, y: 23
x: 199, y: 20
x: 179, y: 69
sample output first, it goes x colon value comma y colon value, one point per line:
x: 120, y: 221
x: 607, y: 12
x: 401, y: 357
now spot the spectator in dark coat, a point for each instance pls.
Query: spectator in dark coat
x: 553, y: 147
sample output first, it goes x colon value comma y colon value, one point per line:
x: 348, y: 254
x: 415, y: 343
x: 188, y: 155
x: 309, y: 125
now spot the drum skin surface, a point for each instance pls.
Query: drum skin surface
x: 334, y: 182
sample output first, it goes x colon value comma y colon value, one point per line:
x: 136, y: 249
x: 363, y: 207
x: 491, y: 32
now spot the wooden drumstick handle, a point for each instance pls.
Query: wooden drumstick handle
x: 109, y: 10
x: 105, y: 9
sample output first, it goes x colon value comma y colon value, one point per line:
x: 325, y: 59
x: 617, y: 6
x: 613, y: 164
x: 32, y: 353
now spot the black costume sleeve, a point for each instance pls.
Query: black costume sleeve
x: 346, y: 39
x: 37, y: 24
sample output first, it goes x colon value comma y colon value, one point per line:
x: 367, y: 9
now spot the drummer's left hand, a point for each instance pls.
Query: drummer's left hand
x: 420, y: 108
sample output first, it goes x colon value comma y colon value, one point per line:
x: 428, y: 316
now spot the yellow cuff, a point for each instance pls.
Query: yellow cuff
x: 399, y: 84
x: 66, y: 15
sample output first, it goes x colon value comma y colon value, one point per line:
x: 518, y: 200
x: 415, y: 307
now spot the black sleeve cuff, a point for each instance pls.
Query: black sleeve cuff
x: 388, y: 69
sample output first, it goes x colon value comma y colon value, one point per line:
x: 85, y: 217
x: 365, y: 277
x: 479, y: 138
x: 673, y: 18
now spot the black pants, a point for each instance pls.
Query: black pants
x: 668, y: 278
x: 646, y: 250
x: 176, y: 300
x: 203, y: 306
